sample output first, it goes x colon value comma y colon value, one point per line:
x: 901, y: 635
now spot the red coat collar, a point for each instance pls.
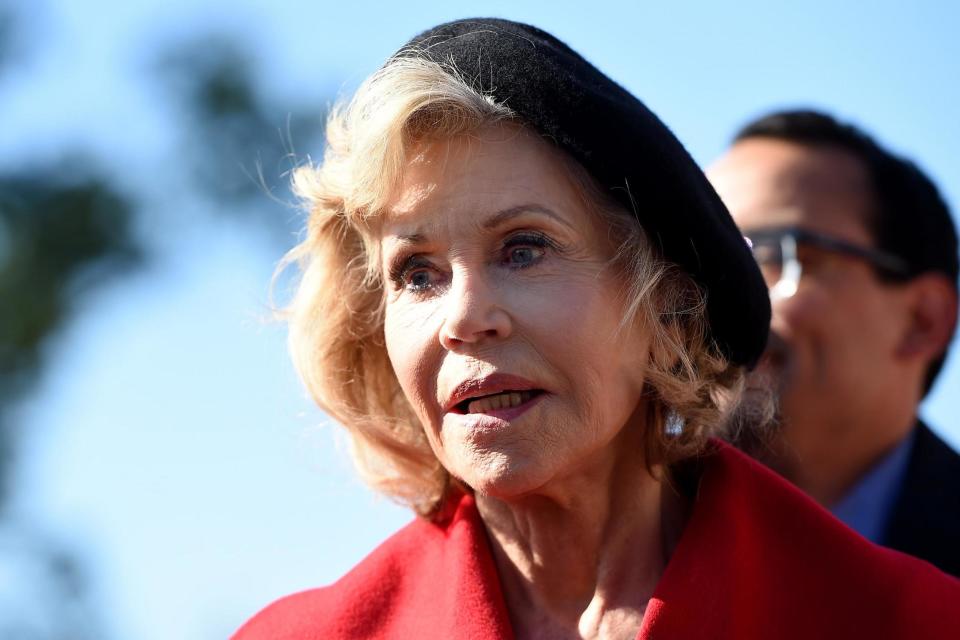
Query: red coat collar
x: 757, y: 559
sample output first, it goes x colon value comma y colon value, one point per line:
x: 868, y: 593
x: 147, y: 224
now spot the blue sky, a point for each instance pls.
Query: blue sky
x: 170, y: 441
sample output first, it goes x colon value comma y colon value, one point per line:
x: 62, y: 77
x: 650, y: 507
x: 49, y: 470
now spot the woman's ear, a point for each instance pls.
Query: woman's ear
x: 933, y: 317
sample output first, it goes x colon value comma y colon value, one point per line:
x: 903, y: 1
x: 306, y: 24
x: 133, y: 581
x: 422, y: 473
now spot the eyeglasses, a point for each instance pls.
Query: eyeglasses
x: 778, y: 252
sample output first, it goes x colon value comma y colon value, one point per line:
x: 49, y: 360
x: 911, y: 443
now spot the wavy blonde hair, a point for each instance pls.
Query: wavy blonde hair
x: 336, y: 315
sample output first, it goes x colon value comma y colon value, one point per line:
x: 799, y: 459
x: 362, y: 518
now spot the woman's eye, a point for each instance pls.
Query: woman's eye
x: 418, y: 280
x: 523, y: 255
x: 414, y: 273
x: 524, y: 251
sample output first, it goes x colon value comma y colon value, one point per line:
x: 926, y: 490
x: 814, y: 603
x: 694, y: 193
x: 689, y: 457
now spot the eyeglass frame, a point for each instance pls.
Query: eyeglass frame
x: 888, y: 266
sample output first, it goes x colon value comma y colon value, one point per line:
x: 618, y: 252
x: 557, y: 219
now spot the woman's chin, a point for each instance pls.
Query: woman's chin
x: 504, y: 479
x: 492, y: 473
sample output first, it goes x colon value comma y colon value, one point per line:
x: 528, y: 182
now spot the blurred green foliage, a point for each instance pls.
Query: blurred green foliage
x: 60, y: 234
x: 67, y: 227
x: 237, y: 140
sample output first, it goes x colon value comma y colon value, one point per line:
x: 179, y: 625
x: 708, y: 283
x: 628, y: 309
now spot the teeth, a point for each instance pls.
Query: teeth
x: 504, y: 400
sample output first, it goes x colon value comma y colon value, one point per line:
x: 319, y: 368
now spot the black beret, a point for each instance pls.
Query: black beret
x: 627, y: 150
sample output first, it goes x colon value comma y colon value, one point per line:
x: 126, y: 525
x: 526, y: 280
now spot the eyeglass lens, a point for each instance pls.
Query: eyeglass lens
x: 779, y: 264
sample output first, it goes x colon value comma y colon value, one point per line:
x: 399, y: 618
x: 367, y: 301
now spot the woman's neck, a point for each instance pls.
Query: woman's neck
x: 581, y: 558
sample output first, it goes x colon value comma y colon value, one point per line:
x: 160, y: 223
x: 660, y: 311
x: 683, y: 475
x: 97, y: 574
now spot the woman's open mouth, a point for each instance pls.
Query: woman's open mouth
x: 506, y: 404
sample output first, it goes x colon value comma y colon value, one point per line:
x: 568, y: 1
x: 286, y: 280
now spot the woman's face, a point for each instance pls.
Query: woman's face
x: 503, y: 315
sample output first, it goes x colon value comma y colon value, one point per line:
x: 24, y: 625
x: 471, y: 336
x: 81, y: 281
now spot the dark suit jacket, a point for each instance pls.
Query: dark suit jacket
x: 925, y: 520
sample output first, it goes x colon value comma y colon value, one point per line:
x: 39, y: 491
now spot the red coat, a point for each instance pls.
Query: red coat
x: 757, y: 559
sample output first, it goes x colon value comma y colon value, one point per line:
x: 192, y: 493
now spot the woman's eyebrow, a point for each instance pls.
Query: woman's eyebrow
x: 497, y: 219
x: 409, y: 238
x: 508, y: 214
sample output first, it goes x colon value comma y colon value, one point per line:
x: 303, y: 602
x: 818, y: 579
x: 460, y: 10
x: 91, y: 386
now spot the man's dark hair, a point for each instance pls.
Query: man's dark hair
x: 910, y: 218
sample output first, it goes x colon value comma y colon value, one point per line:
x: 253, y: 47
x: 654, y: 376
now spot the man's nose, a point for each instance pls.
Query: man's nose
x: 474, y: 312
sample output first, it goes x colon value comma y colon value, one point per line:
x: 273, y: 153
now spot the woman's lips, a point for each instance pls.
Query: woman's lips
x: 503, y: 408
x: 496, y: 384
x: 495, y: 400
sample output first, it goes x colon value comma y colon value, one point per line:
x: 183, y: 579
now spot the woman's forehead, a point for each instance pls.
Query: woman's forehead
x: 477, y: 177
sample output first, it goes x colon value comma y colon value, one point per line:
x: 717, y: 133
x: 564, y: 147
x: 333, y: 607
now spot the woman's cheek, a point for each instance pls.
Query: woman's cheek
x: 412, y: 347
x: 400, y: 319
x: 559, y: 306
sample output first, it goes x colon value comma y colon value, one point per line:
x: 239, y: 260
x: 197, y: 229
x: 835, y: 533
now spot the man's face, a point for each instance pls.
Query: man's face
x: 834, y: 340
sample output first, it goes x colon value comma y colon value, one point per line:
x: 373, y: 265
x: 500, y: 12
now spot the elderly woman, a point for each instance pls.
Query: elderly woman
x: 531, y: 312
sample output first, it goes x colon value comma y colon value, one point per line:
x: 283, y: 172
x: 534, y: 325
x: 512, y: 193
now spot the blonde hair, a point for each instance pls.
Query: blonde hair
x: 336, y: 315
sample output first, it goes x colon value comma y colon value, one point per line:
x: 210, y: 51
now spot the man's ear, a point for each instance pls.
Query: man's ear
x: 933, y: 316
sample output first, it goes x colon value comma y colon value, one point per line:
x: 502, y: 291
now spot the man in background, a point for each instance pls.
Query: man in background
x: 860, y: 254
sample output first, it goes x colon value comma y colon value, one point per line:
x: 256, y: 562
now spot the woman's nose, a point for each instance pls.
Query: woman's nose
x: 474, y: 313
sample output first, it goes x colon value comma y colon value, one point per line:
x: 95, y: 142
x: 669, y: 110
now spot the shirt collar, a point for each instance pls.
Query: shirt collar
x: 865, y: 508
